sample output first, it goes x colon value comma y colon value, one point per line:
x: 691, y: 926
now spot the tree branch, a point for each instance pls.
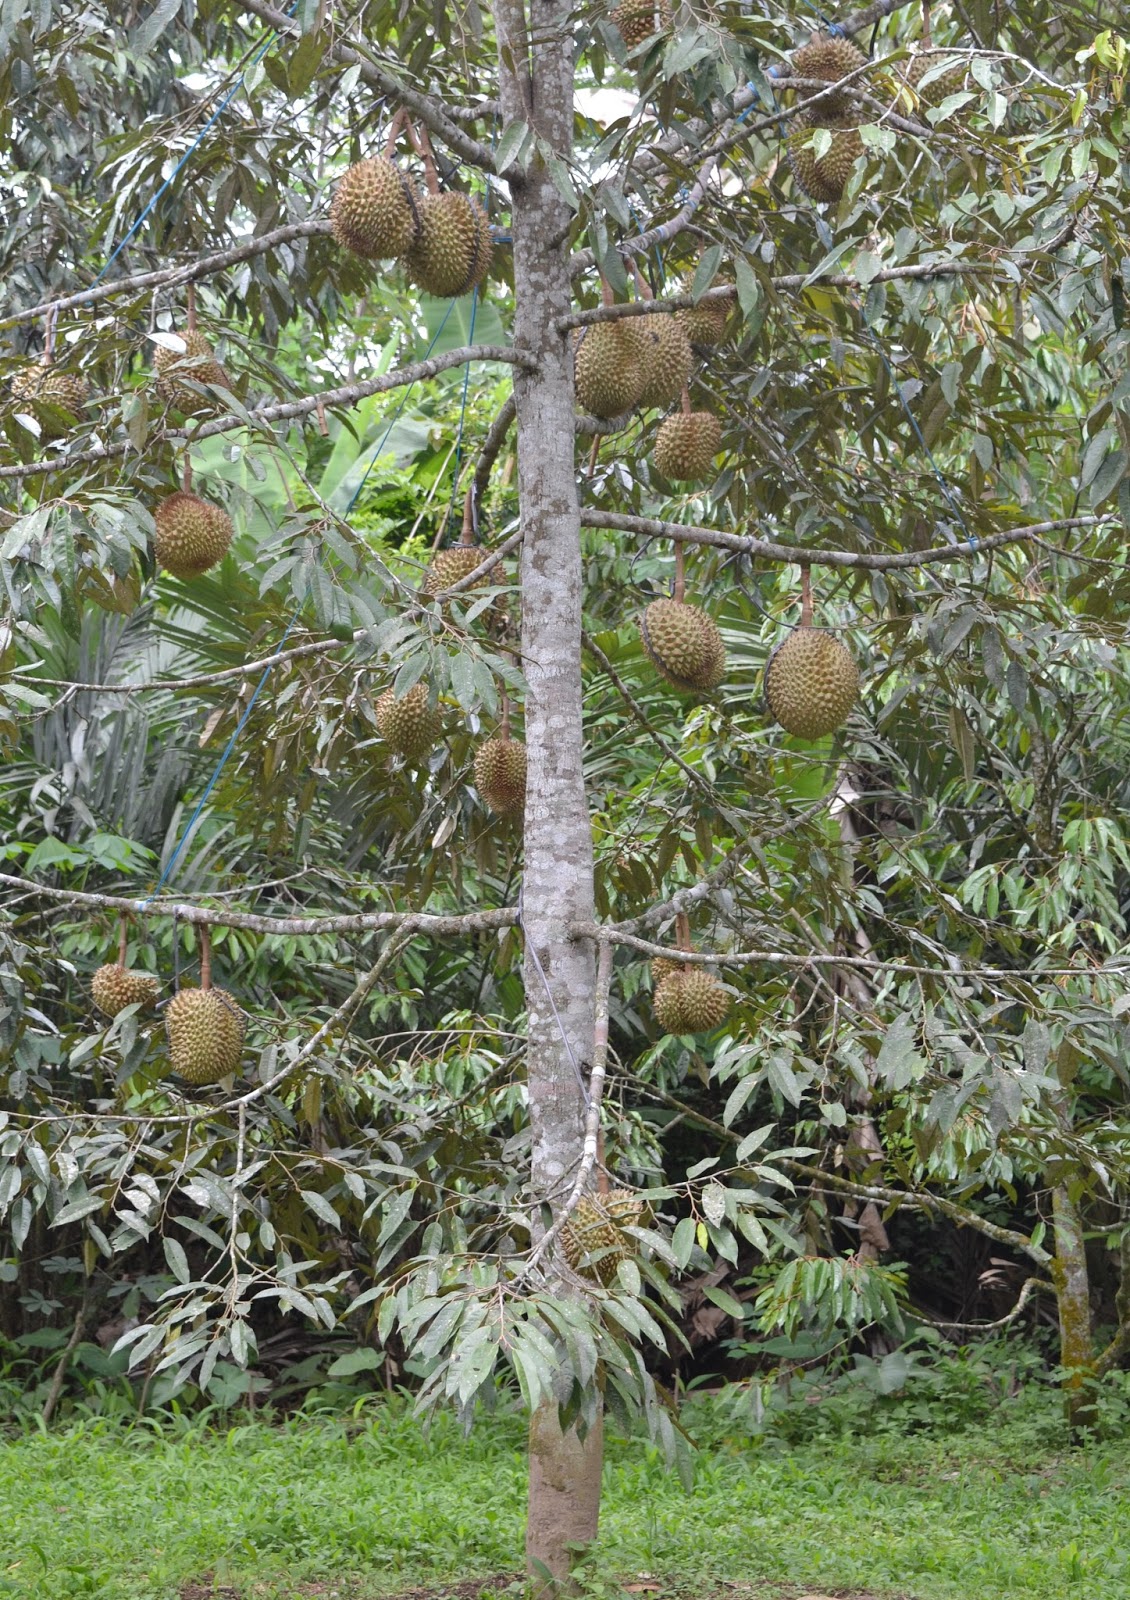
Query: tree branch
x: 358, y: 922
x: 425, y: 106
x: 769, y: 550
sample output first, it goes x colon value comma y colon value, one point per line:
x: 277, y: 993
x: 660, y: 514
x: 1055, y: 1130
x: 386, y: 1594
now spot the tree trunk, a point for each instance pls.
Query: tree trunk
x: 1073, y: 1299
x: 536, y: 70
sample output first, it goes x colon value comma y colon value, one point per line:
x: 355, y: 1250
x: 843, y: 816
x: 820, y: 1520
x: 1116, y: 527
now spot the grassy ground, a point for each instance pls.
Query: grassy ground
x: 315, y: 1507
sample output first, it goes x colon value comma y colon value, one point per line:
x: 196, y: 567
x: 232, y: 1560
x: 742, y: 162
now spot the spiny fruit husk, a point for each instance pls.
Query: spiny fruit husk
x: 823, y: 178
x: 451, y: 565
x: 500, y: 775
x: 691, y: 1001
x: 668, y: 358
x: 686, y: 444
x: 410, y: 725
x: 196, y: 362
x: 114, y: 987
x: 662, y: 967
x: 811, y: 683
x: 830, y: 60
x: 637, y: 20
x: 449, y: 257
x: 43, y: 385
x: 593, y: 1239
x: 950, y: 81
x: 374, y: 212
x: 610, y: 367
x: 192, y: 534
x: 685, y: 644
x: 205, y: 1029
x: 705, y: 324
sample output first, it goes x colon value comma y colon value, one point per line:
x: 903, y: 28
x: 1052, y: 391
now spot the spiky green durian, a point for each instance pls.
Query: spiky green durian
x: 690, y: 1000
x: 374, y: 211
x: 192, y: 534
x: 610, y: 367
x: 449, y: 257
x: 56, y: 398
x: 950, y: 80
x: 638, y: 20
x: 705, y: 324
x: 196, y: 362
x: 686, y: 444
x: 410, y: 725
x: 824, y: 178
x: 685, y: 644
x: 829, y: 60
x: 811, y: 683
x: 449, y: 566
x: 205, y: 1029
x: 114, y: 987
x: 593, y: 1239
x: 668, y: 359
x: 500, y: 775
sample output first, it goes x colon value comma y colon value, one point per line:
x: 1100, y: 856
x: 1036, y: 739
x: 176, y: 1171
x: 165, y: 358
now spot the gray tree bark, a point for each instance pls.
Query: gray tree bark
x: 536, y: 73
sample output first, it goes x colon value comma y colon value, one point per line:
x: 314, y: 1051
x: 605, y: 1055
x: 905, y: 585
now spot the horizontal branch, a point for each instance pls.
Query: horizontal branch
x: 287, y: 410
x: 218, y: 916
x: 203, y: 267
x: 201, y: 680
x: 429, y: 110
x: 803, y: 556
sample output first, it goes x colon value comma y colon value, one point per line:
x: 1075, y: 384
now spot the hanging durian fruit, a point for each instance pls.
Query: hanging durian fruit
x: 828, y: 59
x: 685, y: 644
x: 811, y: 683
x: 668, y: 359
x: 705, y: 324
x: 451, y: 565
x: 687, y: 999
x: 54, y: 398
x: 593, y: 1239
x: 824, y: 178
x: 375, y: 211
x: 452, y: 253
x: 638, y: 20
x: 687, y: 443
x: 197, y: 363
x: 500, y: 770
x: 114, y: 986
x: 411, y: 725
x: 191, y: 534
x: 950, y: 80
x: 205, y: 1027
x: 610, y: 367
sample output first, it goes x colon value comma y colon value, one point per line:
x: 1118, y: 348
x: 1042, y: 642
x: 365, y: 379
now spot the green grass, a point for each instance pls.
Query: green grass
x: 102, y: 1510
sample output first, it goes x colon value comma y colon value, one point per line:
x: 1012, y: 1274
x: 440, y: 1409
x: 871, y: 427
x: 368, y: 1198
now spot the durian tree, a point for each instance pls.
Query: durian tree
x: 783, y: 519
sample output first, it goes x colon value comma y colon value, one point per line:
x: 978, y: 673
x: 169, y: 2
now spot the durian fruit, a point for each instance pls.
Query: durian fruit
x: 374, y: 211
x: 811, y: 683
x: 705, y: 324
x: 196, y: 362
x: 823, y: 178
x: 410, y: 725
x: 690, y: 1000
x: 951, y: 81
x: 205, y: 1029
x: 57, y: 397
x: 686, y: 444
x: 450, y: 257
x: 685, y: 644
x: 830, y: 60
x: 668, y: 359
x: 450, y: 565
x: 593, y: 1239
x: 500, y: 775
x: 192, y: 534
x: 114, y: 987
x: 610, y: 367
x: 637, y: 20
x: 662, y: 967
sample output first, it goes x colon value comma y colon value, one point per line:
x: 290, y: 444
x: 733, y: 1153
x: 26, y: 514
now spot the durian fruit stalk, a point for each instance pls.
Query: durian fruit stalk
x: 55, y: 398
x: 374, y: 211
x: 205, y: 1027
x: 593, y: 1237
x: 114, y: 986
x: 828, y: 59
x: 191, y: 534
x: 811, y: 683
x: 410, y: 726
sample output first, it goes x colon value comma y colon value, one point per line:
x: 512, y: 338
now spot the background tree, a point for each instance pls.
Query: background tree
x: 920, y: 917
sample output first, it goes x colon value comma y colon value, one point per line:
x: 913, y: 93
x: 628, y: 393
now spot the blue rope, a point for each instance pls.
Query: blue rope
x: 219, y: 111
